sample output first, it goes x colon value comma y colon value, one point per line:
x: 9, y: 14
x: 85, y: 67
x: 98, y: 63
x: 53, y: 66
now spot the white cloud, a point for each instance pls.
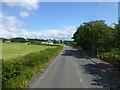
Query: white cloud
x: 24, y: 14
x: 10, y: 28
x: 65, y: 0
x: 10, y: 21
x: 27, y: 5
x: 66, y: 33
x: 31, y: 5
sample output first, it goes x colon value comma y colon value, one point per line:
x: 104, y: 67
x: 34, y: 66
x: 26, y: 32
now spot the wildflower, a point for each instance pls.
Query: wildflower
x: 24, y: 82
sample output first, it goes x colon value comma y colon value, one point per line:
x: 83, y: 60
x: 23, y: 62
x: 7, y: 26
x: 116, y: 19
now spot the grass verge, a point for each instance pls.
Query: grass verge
x: 16, y: 72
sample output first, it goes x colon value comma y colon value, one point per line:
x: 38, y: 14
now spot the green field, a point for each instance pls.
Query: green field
x: 12, y: 50
x: 21, y: 61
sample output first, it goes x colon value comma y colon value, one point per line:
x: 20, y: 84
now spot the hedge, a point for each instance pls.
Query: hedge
x: 17, y: 71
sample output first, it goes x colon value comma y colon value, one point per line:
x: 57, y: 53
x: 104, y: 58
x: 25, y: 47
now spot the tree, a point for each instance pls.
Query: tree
x: 4, y: 39
x: 70, y: 43
x: 116, y: 34
x: 18, y: 39
x: 55, y: 41
x: 94, y: 34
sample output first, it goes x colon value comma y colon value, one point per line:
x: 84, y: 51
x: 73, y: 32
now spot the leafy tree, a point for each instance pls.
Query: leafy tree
x: 116, y: 34
x: 94, y: 34
x: 4, y: 39
x: 70, y: 43
x: 55, y: 41
x: 18, y: 39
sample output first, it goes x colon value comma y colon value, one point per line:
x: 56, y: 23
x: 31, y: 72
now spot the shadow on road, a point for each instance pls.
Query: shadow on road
x: 75, y: 53
x: 105, y: 75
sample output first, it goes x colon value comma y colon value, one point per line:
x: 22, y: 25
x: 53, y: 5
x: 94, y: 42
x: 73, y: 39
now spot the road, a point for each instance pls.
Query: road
x: 75, y: 69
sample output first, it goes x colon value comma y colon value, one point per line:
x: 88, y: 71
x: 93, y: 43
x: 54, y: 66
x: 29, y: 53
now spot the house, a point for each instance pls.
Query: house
x: 43, y: 43
x: 49, y: 42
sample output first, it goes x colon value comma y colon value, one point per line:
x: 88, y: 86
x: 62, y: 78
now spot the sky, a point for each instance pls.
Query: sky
x: 52, y: 20
x: 119, y: 11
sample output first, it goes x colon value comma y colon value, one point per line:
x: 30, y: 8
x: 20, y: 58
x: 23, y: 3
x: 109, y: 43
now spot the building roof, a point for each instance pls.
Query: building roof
x: 49, y: 41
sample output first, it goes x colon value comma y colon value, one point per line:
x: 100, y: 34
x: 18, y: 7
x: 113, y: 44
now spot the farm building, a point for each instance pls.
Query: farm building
x: 49, y: 42
x: 43, y: 43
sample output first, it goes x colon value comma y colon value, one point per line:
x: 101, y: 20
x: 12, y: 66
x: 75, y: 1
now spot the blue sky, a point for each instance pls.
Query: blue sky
x: 119, y: 10
x: 57, y: 19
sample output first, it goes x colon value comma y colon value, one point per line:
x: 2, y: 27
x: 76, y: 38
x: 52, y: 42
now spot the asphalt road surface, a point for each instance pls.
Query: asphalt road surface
x: 75, y: 69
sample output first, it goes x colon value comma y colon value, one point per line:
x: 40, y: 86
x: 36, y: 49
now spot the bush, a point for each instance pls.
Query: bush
x: 34, y: 42
x: 114, y: 54
x: 18, y: 39
x: 23, y: 68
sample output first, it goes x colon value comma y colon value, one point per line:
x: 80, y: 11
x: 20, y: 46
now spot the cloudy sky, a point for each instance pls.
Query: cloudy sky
x: 52, y: 19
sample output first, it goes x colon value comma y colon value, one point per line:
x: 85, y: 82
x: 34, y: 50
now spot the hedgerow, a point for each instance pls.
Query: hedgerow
x: 16, y: 72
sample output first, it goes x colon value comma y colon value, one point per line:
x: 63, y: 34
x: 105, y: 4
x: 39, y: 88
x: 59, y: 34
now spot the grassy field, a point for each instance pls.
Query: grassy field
x: 22, y: 61
x: 12, y: 50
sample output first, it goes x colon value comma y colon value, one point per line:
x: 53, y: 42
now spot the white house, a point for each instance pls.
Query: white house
x: 49, y: 42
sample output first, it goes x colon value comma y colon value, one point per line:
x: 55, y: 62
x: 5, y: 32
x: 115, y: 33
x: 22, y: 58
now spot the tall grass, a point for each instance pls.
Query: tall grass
x: 17, y: 71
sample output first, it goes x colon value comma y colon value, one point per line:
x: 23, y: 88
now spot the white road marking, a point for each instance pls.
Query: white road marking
x: 79, y: 75
x: 81, y: 81
x: 75, y: 65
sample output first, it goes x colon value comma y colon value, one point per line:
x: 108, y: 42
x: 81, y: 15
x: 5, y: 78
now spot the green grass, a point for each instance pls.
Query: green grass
x: 13, y: 50
x: 58, y: 44
x: 114, y: 54
x: 17, y: 70
x: 22, y: 69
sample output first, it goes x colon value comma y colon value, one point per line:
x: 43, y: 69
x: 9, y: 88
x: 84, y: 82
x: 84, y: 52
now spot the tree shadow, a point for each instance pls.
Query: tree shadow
x: 105, y: 75
x: 76, y: 53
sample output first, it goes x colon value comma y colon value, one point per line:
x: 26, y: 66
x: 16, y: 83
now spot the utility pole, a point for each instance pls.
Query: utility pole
x: 93, y: 37
x: 97, y: 51
x: 93, y: 44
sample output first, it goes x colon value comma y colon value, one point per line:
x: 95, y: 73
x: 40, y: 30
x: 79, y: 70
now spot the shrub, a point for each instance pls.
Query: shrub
x: 18, y: 39
x: 114, y: 54
x: 34, y: 42
x: 23, y: 68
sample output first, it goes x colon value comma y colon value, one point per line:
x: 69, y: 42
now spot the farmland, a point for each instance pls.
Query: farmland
x: 21, y: 61
x: 12, y: 50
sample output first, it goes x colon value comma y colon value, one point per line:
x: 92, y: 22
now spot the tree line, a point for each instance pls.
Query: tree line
x: 96, y: 36
x: 24, y: 40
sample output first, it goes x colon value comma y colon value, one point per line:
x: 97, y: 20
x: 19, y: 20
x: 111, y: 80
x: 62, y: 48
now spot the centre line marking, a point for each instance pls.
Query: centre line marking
x: 79, y: 75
